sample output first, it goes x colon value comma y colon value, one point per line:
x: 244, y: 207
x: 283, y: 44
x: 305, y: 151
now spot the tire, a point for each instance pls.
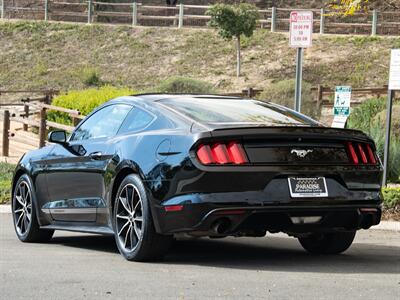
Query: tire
x: 328, y: 243
x: 25, y: 219
x: 135, y: 235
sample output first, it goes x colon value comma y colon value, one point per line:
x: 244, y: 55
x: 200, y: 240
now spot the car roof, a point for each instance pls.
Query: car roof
x: 161, y: 96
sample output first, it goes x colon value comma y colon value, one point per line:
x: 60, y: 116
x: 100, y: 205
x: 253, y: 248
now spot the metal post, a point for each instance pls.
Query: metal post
x: 374, y: 22
x: 322, y: 22
x: 134, y: 13
x: 89, y: 12
x: 46, y: 10
x: 299, y: 73
x: 3, y: 8
x: 389, y: 108
x: 180, y: 23
x: 273, y: 19
x: 6, y: 129
x: 42, y: 128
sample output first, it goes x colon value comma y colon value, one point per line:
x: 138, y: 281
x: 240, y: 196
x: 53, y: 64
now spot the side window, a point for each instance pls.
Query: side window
x: 136, y: 120
x: 103, y: 123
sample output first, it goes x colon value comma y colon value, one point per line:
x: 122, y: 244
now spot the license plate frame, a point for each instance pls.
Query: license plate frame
x: 308, y: 187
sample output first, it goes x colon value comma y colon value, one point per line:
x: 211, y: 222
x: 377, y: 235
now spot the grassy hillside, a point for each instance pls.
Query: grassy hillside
x: 65, y: 56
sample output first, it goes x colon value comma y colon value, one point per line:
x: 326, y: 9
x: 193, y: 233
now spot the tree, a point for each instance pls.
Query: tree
x: 349, y: 7
x: 233, y: 21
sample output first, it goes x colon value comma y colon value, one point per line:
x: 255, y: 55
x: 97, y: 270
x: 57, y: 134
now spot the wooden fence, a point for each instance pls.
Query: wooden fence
x: 136, y: 13
x: 34, y: 121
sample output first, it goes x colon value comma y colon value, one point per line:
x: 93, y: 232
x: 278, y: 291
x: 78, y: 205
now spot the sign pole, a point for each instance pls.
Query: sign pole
x: 299, y: 77
x: 300, y: 37
x: 389, y: 108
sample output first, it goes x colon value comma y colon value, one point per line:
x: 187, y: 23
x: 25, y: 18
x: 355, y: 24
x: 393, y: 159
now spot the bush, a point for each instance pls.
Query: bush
x: 380, y: 119
x: 90, y: 77
x: 84, y: 101
x: 185, y: 85
x: 283, y: 92
x: 362, y: 116
x: 6, y: 173
x: 370, y: 117
x: 391, y: 197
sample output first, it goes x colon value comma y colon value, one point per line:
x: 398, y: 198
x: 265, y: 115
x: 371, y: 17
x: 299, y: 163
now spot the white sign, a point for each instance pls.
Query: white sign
x: 341, y: 106
x: 339, y: 121
x: 301, y: 29
x: 394, y: 75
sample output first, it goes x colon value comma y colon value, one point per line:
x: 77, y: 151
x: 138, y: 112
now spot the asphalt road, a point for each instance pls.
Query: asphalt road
x: 81, y: 266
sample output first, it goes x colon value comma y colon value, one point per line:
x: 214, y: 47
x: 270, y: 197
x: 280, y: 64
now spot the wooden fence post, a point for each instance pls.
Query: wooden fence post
x: 320, y: 94
x: 134, y: 13
x: 42, y: 127
x: 6, y: 129
x: 46, y: 10
x: 322, y: 22
x: 181, y: 12
x: 3, y: 8
x: 273, y: 19
x: 26, y: 114
x: 89, y: 18
x: 374, y: 22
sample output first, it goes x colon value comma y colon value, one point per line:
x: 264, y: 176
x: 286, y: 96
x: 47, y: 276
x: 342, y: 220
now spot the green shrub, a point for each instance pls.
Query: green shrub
x: 6, y: 172
x: 378, y: 135
x: 84, y: 101
x: 90, y: 77
x: 370, y: 117
x: 391, y: 197
x: 380, y: 119
x: 283, y: 92
x: 362, y: 116
x: 185, y: 85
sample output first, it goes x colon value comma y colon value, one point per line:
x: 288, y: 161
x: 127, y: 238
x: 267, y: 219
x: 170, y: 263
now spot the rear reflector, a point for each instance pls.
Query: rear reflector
x: 173, y: 208
x: 231, y: 212
x: 361, y: 153
x: 222, y: 153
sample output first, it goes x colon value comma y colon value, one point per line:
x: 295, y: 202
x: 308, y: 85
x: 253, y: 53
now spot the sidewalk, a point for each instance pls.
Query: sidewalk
x: 384, y: 225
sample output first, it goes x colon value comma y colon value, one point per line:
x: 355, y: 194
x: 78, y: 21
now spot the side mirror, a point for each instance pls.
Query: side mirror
x: 58, y: 137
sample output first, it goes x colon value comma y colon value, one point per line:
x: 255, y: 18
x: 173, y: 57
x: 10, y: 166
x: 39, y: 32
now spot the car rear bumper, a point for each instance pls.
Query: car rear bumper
x: 213, y: 215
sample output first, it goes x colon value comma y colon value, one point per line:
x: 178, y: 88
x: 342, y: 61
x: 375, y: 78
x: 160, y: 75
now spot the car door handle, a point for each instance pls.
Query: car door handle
x: 96, y: 155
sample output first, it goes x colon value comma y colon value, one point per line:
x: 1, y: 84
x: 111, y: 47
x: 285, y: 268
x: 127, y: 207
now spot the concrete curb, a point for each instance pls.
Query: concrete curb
x: 384, y: 225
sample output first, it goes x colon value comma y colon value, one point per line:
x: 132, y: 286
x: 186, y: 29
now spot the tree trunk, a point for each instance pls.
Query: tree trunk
x: 238, y: 56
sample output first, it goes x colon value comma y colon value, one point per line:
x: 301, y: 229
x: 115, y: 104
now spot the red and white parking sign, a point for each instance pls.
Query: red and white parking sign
x: 301, y: 29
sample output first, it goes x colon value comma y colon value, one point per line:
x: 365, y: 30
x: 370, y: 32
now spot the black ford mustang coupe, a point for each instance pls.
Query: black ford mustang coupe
x: 147, y: 168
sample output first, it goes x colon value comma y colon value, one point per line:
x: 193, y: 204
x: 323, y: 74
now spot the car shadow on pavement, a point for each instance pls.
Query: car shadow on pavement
x: 271, y: 253
x: 283, y: 254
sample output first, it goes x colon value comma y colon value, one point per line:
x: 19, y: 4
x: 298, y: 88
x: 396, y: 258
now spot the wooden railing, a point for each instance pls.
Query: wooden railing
x: 136, y: 13
x: 33, y: 115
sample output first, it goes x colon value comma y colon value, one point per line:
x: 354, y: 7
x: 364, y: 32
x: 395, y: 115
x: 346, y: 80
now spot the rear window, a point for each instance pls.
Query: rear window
x: 237, y: 111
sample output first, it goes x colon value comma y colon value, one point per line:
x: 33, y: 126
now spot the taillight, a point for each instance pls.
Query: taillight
x: 222, y: 153
x: 371, y: 155
x: 360, y: 153
x: 352, y: 152
x: 204, y: 154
